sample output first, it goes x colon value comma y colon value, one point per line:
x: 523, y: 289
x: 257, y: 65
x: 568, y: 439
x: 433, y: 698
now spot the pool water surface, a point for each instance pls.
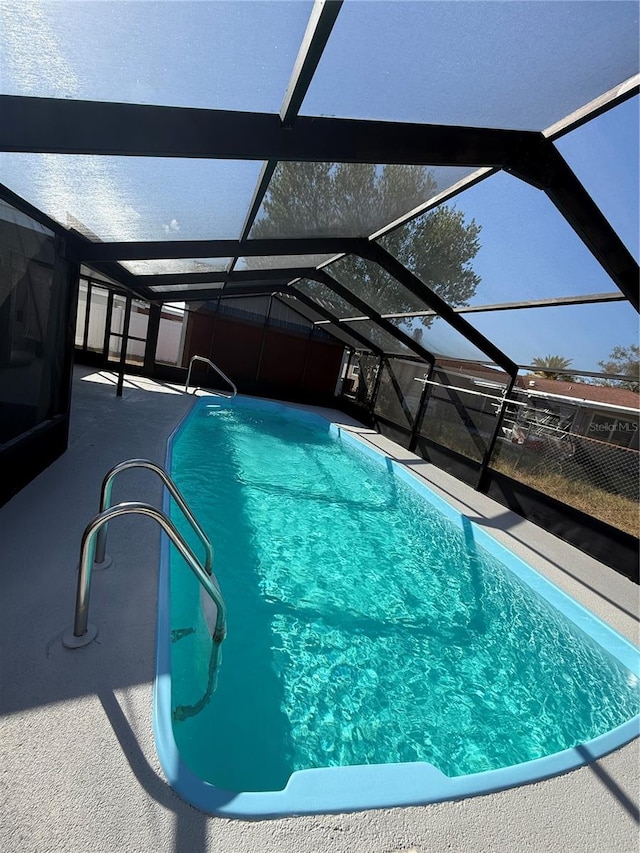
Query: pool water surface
x: 369, y: 624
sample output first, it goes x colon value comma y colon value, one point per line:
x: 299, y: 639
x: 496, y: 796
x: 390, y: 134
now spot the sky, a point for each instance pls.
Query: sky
x: 517, y: 64
x: 528, y: 250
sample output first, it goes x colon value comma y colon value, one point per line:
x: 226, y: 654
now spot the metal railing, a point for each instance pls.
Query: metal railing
x: 101, y: 559
x: 499, y: 398
x: 568, y: 448
x: 218, y: 371
x: 83, y: 632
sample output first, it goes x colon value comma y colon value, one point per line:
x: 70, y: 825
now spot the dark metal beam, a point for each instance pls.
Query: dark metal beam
x: 92, y: 127
x: 323, y: 17
x: 440, y: 198
x: 583, y: 299
x: 342, y: 335
x: 265, y: 289
x: 263, y: 340
x: 281, y: 298
x: 306, y: 300
x: 321, y: 21
x: 123, y: 347
x: 411, y: 421
x: 422, y: 409
x: 324, y: 278
x: 264, y: 179
x: 144, y: 250
x: 266, y: 173
x: 107, y: 327
x: 116, y: 272
x: 376, y: 386
x: 596, y: 232
x: 481, y: 483
x: 87, y: 312
x: 613, y: 98
x: 66, y: 126
x: 559, y: 302
x: 375, y: 252
x: 237, y: 276
x: 153, y: 329
x: 184, y: 296
x: 546, y: 169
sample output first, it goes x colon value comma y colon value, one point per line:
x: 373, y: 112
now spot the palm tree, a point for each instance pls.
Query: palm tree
x: 553, y: 367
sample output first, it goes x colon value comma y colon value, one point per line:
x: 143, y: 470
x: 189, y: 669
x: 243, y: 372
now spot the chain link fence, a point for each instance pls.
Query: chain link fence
x: 580, y: 455
x: 541, y: 444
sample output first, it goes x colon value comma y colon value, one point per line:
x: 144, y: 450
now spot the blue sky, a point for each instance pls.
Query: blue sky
x: 530, y: 252
x: 521, y: 63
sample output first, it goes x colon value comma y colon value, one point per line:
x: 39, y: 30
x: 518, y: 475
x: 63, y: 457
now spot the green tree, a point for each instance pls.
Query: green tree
x: 553, y: 367
x: 623, y: 361
x: 347, y: 199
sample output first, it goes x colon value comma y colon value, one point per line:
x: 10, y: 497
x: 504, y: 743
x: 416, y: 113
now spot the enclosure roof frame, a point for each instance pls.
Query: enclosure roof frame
x: 97, y: 128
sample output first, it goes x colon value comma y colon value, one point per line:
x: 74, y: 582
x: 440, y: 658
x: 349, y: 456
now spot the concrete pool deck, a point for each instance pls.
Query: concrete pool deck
x: 78, y: 764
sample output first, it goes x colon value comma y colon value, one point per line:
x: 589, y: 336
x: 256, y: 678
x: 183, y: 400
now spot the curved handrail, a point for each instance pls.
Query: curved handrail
x: 87, y: 552
x: 105, y: 503
x: 218, y: 371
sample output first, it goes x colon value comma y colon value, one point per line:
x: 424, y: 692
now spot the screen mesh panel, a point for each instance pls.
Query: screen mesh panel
x: 218, y: 55
x: 346, y: 199
x: 518, y: 65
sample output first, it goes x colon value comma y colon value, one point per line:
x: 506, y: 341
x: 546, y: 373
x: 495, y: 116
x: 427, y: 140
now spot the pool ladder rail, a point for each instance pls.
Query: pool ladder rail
x: 229, y: 396
x: 93, y: 555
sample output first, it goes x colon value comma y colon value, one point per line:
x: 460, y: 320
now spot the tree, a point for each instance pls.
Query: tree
x: 553, y: 367
x: 355, y: 199
x: 623, y: 361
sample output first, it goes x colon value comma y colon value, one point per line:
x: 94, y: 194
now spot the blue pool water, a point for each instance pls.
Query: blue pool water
x: 368, y: 624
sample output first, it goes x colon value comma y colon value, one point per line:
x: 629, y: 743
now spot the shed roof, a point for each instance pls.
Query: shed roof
x: 607, y: 395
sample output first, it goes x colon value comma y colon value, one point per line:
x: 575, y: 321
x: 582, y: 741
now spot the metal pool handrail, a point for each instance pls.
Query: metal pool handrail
x: 105, y: 503
x: 217, y: 370
x: 83, y: 633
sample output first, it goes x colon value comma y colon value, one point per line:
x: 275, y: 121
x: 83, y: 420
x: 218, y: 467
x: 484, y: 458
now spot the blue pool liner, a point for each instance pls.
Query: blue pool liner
x: 354, y: 788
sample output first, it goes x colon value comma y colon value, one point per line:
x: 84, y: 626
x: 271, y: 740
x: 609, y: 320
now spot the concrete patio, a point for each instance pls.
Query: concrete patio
x: 78, y: 764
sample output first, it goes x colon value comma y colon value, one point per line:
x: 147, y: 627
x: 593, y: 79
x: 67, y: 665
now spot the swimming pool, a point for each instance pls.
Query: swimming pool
x: 382, y: 649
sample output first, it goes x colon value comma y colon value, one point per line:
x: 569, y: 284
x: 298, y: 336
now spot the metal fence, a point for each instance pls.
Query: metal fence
x: 540, y: 441
x: 540, y: 445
